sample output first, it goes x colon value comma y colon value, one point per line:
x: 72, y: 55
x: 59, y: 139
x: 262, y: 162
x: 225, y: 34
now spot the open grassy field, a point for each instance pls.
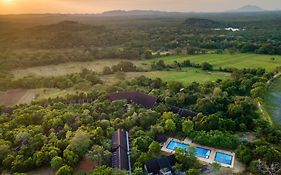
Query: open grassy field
x: 239, y: 61
x: 218, y: 60
x: 185, y: 76
x: 68, y: 68
x: 273, y: 101
x: 24, y: 96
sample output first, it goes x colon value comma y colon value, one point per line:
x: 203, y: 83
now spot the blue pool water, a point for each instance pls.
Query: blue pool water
x: 223, y: 158
x: 173, y: 145
x: 202, y: 152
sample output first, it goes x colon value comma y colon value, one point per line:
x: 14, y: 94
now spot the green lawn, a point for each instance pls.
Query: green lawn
x: 188, y: 76
x: 68, y: 68
x: 23, y: 96
x: 185, y: 76
x: 273, y: 101
x: 239, y: 61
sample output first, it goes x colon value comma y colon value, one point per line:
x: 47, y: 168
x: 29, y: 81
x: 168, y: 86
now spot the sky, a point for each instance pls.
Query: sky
x: 98, y: 6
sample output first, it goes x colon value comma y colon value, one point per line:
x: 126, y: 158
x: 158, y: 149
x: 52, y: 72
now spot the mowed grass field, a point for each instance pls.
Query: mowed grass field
x: 25, y: 96
x: 238, y: 60
x: 185, y: 76
x: 68, y: 68
x: 273, y: 101
x: 188, y: 76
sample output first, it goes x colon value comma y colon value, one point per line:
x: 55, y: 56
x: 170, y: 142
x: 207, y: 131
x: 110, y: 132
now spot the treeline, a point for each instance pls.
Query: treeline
x: 83, y: 81
x: 160, y: 65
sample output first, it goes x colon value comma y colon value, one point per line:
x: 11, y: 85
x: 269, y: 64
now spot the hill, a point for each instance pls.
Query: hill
x: 249, y: 8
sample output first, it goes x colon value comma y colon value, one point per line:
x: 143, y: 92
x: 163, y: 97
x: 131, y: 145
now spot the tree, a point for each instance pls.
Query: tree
x: 154, y: 148
x: 186, y: 158
x: 56, y: 163
x: 70, y: 157
x: 187, y: 127
x: 106, y: 70
x: 80, y: 142
x: 175, y: 86
x: 259, y: 91
x: 4, y: 149
x: 64, y: 170
x: 193, y: 171
x: 99, y: 155
x: 244, y: 154
x: 138, y: 171
x: 142, y: 143
x: 170, y: 125
x: 206, y: 66
x: 148, y: 54
x: 216, y: 166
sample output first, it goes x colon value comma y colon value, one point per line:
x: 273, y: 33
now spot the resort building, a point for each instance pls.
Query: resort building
x: 145, y: 100
x: 121, y: 150
x: 182, y: 112
x: 203, y: 153
x: 162, y: 166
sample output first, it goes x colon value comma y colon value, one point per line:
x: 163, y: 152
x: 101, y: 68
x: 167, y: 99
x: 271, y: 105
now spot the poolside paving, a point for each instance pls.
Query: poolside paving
x: 210, y: 159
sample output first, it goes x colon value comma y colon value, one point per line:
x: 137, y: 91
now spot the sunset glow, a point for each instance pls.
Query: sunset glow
x: 93, y: 6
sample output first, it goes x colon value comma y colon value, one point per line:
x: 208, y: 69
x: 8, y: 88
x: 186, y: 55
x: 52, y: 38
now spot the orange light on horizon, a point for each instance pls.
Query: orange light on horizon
x: 7, y: 1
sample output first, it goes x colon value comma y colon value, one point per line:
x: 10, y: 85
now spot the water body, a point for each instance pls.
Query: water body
x: 273, y: 101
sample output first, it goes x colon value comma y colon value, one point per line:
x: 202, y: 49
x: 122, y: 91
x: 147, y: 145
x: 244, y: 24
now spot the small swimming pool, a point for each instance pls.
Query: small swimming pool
x: 223, y: 158
x: 174, y: 145
x: 202, y: 152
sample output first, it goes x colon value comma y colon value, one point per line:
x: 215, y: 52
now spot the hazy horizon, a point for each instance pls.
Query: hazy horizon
x: 92, y: 6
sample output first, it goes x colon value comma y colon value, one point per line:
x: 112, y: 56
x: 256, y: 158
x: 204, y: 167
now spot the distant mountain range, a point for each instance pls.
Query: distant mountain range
x: 249, y: 8
x: 138, y: 13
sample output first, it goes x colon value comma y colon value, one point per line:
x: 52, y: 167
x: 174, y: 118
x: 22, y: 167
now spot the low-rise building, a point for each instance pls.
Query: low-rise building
x: 121, y: 150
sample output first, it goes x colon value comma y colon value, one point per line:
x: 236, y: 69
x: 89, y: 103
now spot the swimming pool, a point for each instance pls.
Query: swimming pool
x: 174, y: 144
x: 223, y: 158
x: 202, y: 152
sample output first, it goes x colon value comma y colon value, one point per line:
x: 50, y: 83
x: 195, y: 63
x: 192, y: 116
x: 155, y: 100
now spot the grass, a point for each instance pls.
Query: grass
x: 218, y: 60
x: 273, y: 102
x: 67, y: 68
x: 186, y: 76
x: 23, y: 96
x: 239, y: 61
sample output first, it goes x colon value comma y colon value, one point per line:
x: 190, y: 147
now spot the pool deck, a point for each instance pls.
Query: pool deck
x: 211, y: 158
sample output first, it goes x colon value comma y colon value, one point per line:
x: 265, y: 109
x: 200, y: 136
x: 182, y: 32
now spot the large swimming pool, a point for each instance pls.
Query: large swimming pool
x: 223, y: 158
x: 174, y: 145
x: 202, y: 152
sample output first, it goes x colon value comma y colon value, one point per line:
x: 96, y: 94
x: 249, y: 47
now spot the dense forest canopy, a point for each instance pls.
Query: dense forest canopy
x: 59, y: 133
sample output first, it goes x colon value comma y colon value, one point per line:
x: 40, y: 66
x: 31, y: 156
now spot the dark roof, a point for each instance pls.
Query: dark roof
x: 120, y: 150
x: 182, y: 112
x: 161, y: 138
x: 104, y: 117
x: 135, y: 97
x: 154, y: 166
